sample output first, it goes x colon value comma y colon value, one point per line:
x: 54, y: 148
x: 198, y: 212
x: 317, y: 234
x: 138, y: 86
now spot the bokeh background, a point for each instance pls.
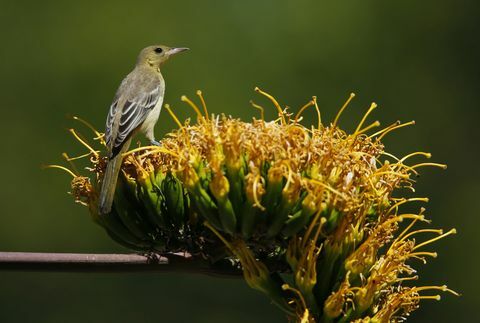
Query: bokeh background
x: 416, y: 59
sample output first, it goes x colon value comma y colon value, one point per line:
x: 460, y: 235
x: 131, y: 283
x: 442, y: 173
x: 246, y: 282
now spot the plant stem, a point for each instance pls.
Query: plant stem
x: 113, y: 263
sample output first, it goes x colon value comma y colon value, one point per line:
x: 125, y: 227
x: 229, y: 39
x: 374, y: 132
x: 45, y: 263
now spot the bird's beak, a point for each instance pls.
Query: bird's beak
x: 176, y: 50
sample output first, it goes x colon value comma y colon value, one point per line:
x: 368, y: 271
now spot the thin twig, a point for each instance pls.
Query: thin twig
x: 113, y: 263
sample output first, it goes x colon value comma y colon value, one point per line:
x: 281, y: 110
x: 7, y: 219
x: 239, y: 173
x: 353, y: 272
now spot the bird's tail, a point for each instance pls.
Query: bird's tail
x: 109, y: 182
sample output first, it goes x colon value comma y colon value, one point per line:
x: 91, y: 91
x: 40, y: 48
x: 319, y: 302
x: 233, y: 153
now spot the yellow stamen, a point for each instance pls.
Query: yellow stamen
x: 390, y: 172
x: 403, y: 201
x: 352, y: 95
x: 309, y: 104
x: 312, y: 224
x: 275, y: 103
x: 73, y: 132
x: 372, y: 107
x: 428, y: 155
x: 424, y: 253
x: 70, y: 161
x: 443, y: 288
x: 88, y: 125
x: 372, y: 125
x: 204, y: 105
x: 437, y: 231
x: 262, y: 111
x: 193, y: 105
x: 443, y: 166
x: 219, y: 235
x: 77, y: 157
x: 319, y: 116
x: 452, y: 231
x: 396, y: 123
x: 432, y: 297
x: 62, y: 168
x: 153, y: 148
x: 297, y: 292
x: 326, y: 186
x: 167, y: 106
x: 255, y: 196
x: 389, y: 129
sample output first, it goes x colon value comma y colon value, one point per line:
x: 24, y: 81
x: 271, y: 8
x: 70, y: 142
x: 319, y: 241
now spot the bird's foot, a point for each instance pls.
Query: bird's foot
x: 155, y: 143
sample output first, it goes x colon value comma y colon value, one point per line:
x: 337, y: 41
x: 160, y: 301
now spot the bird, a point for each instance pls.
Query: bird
x: 135, y: 108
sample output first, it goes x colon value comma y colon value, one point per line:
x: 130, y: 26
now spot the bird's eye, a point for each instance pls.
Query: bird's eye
x: 158, y: 50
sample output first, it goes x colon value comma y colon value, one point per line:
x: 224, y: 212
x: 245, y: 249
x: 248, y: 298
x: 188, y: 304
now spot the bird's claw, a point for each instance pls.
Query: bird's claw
x: 155, y: 143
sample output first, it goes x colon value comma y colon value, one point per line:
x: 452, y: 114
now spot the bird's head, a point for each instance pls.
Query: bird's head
x: 156, y: 55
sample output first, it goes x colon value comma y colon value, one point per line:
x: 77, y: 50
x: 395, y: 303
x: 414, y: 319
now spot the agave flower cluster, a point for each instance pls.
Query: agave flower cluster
x: 310, y: 214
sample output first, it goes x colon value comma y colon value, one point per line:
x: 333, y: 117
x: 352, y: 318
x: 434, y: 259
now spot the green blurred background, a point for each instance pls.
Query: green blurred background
x: 416, y: 59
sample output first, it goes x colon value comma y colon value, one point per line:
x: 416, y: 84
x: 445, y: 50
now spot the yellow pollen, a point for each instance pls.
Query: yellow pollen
x: 275, y: 103
x: 204, y: 105
x: 193, y: 105
x: 352, y: 95
x: 62, y: 168
x: 372, y: 107
x: 262, y: 111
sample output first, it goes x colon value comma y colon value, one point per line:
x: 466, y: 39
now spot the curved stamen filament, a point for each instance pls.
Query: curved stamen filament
x: 389, y: 129
x: 296, y: 292
x: 372, y: 125
x: 204, y: 105
x: 428, y: 155
x: 74, y: 133
x: 443, y: 166
x: 443, y: 288
x: 403, y: 201
x: 309, y: 104
x: 255, y: 196
x: 326, y: 186
x: 62, y: 168
x: 154, y: 149
x: 192, y: 105
x: 372, y: 107
x: 88, y: 125
x: 452, y: 231
x: 319, y: 116
x: 262, y: 110
x: 437, y: 231
x: 352, y: 95
x: 275, y: 103
x: 70, y: 161
x: 174, y: 117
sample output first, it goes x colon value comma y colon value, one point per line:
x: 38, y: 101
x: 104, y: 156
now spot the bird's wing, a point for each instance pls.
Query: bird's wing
x: 134, y: 100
